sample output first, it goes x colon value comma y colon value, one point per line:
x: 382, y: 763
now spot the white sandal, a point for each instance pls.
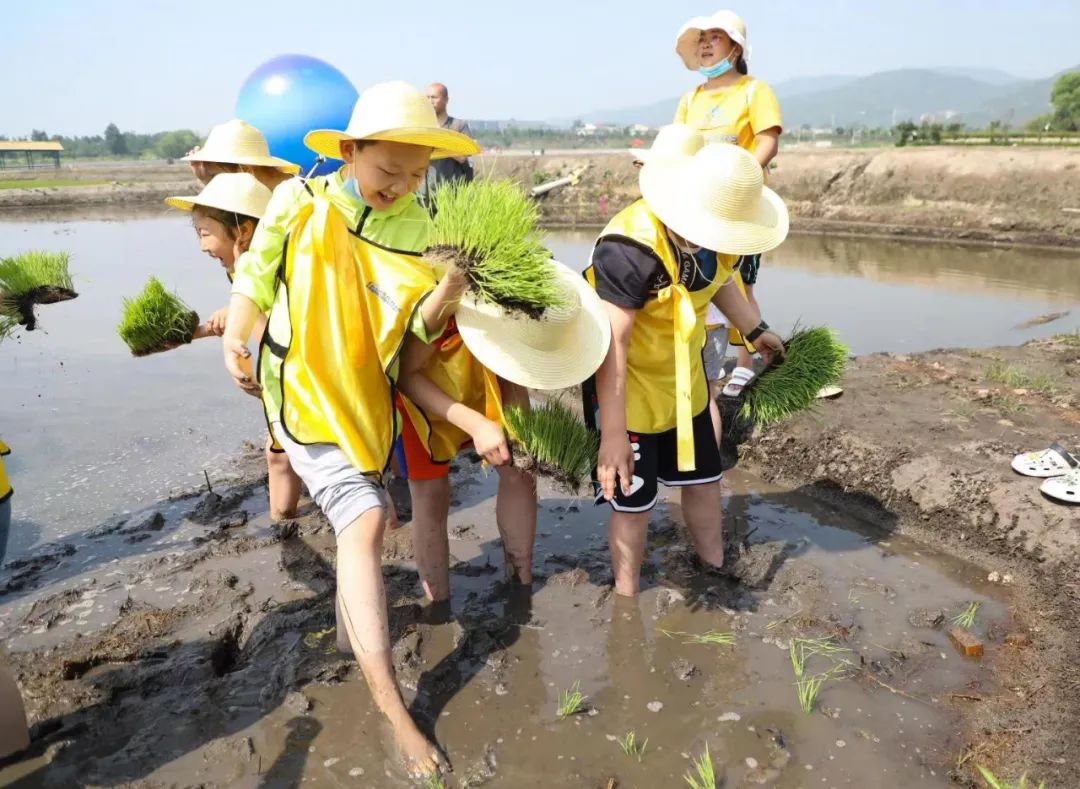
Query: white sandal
x: 1051, y: 462
x: 738, y: 380
x: 1065, y: 488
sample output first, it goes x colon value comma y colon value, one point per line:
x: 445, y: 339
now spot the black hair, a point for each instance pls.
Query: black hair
x: 740, y: 65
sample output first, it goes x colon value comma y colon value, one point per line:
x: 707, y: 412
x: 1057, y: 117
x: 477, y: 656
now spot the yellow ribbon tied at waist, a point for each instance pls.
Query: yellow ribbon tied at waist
x: 684, y: 318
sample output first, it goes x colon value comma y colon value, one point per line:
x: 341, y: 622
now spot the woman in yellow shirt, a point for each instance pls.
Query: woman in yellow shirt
x: 732, y: 107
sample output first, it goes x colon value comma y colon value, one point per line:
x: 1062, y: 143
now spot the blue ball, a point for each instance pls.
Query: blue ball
x: 290, y: 95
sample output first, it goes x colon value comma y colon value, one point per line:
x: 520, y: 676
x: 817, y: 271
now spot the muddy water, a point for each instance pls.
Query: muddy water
x: 488, y: 681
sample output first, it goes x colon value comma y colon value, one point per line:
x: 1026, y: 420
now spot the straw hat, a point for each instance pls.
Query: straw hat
x: 561, y: 349
x: 686, y: 42
x: 236, y: 142
x: 714, y: 196
x: 395, y: 112
x: 238, y: 193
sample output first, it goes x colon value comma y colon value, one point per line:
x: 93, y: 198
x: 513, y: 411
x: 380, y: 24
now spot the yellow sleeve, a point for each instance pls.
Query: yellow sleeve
x: 764, y: 109
x: 255, y: 273
x: 417, y: 328
x: 682, y: 109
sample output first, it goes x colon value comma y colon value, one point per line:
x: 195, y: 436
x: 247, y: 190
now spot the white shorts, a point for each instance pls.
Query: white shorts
x: 714, y: 352
x: 340, y: 490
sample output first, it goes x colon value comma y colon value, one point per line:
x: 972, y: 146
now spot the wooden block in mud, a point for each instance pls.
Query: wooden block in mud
x: 966, y: 642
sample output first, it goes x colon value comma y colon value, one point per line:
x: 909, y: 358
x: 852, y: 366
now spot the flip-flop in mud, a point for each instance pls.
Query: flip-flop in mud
x: 829, y: 392
x: 1065, y: 488
x: 740, y: 377
x: 1051, y: 462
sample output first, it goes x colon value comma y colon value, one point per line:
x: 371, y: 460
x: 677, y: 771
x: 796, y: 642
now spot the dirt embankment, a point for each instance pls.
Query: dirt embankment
x: 922, y: 444
x: 1005, y: 195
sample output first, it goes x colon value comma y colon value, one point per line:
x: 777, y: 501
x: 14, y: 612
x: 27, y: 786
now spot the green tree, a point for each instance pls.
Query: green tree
x: 905, y: 132
x: 1065, y: 96
x: 114, y: 140
x: 37, y: 135
x: 174, y: 144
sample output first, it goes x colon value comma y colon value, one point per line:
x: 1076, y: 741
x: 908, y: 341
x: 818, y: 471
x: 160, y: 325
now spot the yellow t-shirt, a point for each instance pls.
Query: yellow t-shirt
x: 734, y: 114
x: 5, y: 486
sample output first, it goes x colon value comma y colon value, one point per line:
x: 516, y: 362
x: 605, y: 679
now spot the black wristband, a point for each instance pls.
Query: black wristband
x: 759, y: 330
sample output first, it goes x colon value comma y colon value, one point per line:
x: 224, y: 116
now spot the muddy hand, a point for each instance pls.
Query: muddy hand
x: 238, y: 363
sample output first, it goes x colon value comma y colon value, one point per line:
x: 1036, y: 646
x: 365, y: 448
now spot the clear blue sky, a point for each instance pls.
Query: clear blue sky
x: 73, y: 66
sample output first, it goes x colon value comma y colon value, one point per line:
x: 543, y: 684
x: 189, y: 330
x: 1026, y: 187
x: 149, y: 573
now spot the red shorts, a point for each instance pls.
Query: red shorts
x: 419, y: 465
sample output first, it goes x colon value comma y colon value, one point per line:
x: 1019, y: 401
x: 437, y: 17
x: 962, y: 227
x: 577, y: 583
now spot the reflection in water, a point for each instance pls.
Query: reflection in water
x: 904, y: 296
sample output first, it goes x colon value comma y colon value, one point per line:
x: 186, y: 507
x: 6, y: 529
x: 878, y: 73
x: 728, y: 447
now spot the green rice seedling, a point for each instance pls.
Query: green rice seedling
x: 996, y: 783
x: 808, y: 689
x: 631, y: 747
x: 966, y: 618
x: 571, y: 702
x: 29, y: 279
x: 708, y: 637
x: 702, y: 774
x: 156, y: 320
x: 814, y: 359
x: 488, y: 230
x: 552, y: 440
x: 434, y: 781
x: 800, y: 650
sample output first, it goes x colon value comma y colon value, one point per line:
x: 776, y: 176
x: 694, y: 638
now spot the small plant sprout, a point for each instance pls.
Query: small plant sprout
x: 710, y: 637
x: 996, y: 783
x: 571, y: 702
x: 966, y: 618
x: 802, y: 649
x: 702, y: 775
x: 631, y: 747
x: 808, y: 689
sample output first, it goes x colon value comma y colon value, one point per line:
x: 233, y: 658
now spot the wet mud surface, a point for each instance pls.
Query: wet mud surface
x: 193, y: 644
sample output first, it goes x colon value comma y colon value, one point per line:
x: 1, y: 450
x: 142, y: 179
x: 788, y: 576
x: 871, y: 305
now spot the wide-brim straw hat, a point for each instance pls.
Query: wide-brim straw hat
x: 714, y: 196
x: 393, y: 112
x: 686, y: 42
x: 237, y: 142
x: 238, y: 193
x: 560, y: 349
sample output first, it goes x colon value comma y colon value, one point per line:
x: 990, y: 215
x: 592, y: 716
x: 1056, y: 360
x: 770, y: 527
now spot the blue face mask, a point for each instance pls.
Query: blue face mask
x: 723, y: 67
x: 352, y: 188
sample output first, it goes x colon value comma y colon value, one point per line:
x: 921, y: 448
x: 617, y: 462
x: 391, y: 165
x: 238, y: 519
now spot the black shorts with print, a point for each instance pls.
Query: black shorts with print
x: 656, y: 460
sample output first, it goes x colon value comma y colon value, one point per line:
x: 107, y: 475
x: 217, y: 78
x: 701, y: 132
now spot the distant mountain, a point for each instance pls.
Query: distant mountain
x: 965, y: 95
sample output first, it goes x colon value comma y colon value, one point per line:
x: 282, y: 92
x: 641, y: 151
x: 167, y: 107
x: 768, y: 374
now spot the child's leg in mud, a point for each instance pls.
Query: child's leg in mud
x: 515, y: 515
x: 363, y: 603
x: 284, y: 484
x: 715, y: 387
x: 627, y: 532
x: 703, y: 509
x: 431, y: 545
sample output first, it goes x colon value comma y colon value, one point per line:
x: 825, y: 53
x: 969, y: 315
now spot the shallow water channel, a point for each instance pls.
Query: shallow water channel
x: 96, y: 432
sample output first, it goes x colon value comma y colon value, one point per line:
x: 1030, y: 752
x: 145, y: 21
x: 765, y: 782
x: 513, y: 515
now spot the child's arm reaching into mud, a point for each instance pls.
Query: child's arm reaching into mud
x: 745, y: 317
x: 488, y: 437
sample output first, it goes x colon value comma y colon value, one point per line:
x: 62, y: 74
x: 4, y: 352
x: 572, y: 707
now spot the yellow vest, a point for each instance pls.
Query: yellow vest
x: 5, y: 485
x: 665, y: 379
x: 456, y: 371
x: 349, y: 308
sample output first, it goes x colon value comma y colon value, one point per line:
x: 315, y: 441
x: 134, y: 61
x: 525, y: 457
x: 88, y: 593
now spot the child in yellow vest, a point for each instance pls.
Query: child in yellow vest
x: 334, y: 263
x: 225, y: 214
x: 649, y: 399
x: 729, y: 107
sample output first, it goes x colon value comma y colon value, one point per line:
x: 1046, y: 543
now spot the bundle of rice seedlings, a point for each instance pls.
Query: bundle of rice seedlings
x: 551, y: 440
x: 156, y: 320
x: 29, y: 279
x: 815, y: 359
x: 488, y: 230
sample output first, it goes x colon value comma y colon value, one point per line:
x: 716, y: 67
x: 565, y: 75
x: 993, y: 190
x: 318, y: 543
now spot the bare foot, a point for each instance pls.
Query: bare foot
x: 422, y: 758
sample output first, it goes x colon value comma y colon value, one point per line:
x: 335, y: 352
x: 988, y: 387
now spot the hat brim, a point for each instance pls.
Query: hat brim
x: 443, y: 142
x: 188, y: 203
x: 664, y: 189
x: 686, y: 41
x: 250, y: 161
x: 495, y: 339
